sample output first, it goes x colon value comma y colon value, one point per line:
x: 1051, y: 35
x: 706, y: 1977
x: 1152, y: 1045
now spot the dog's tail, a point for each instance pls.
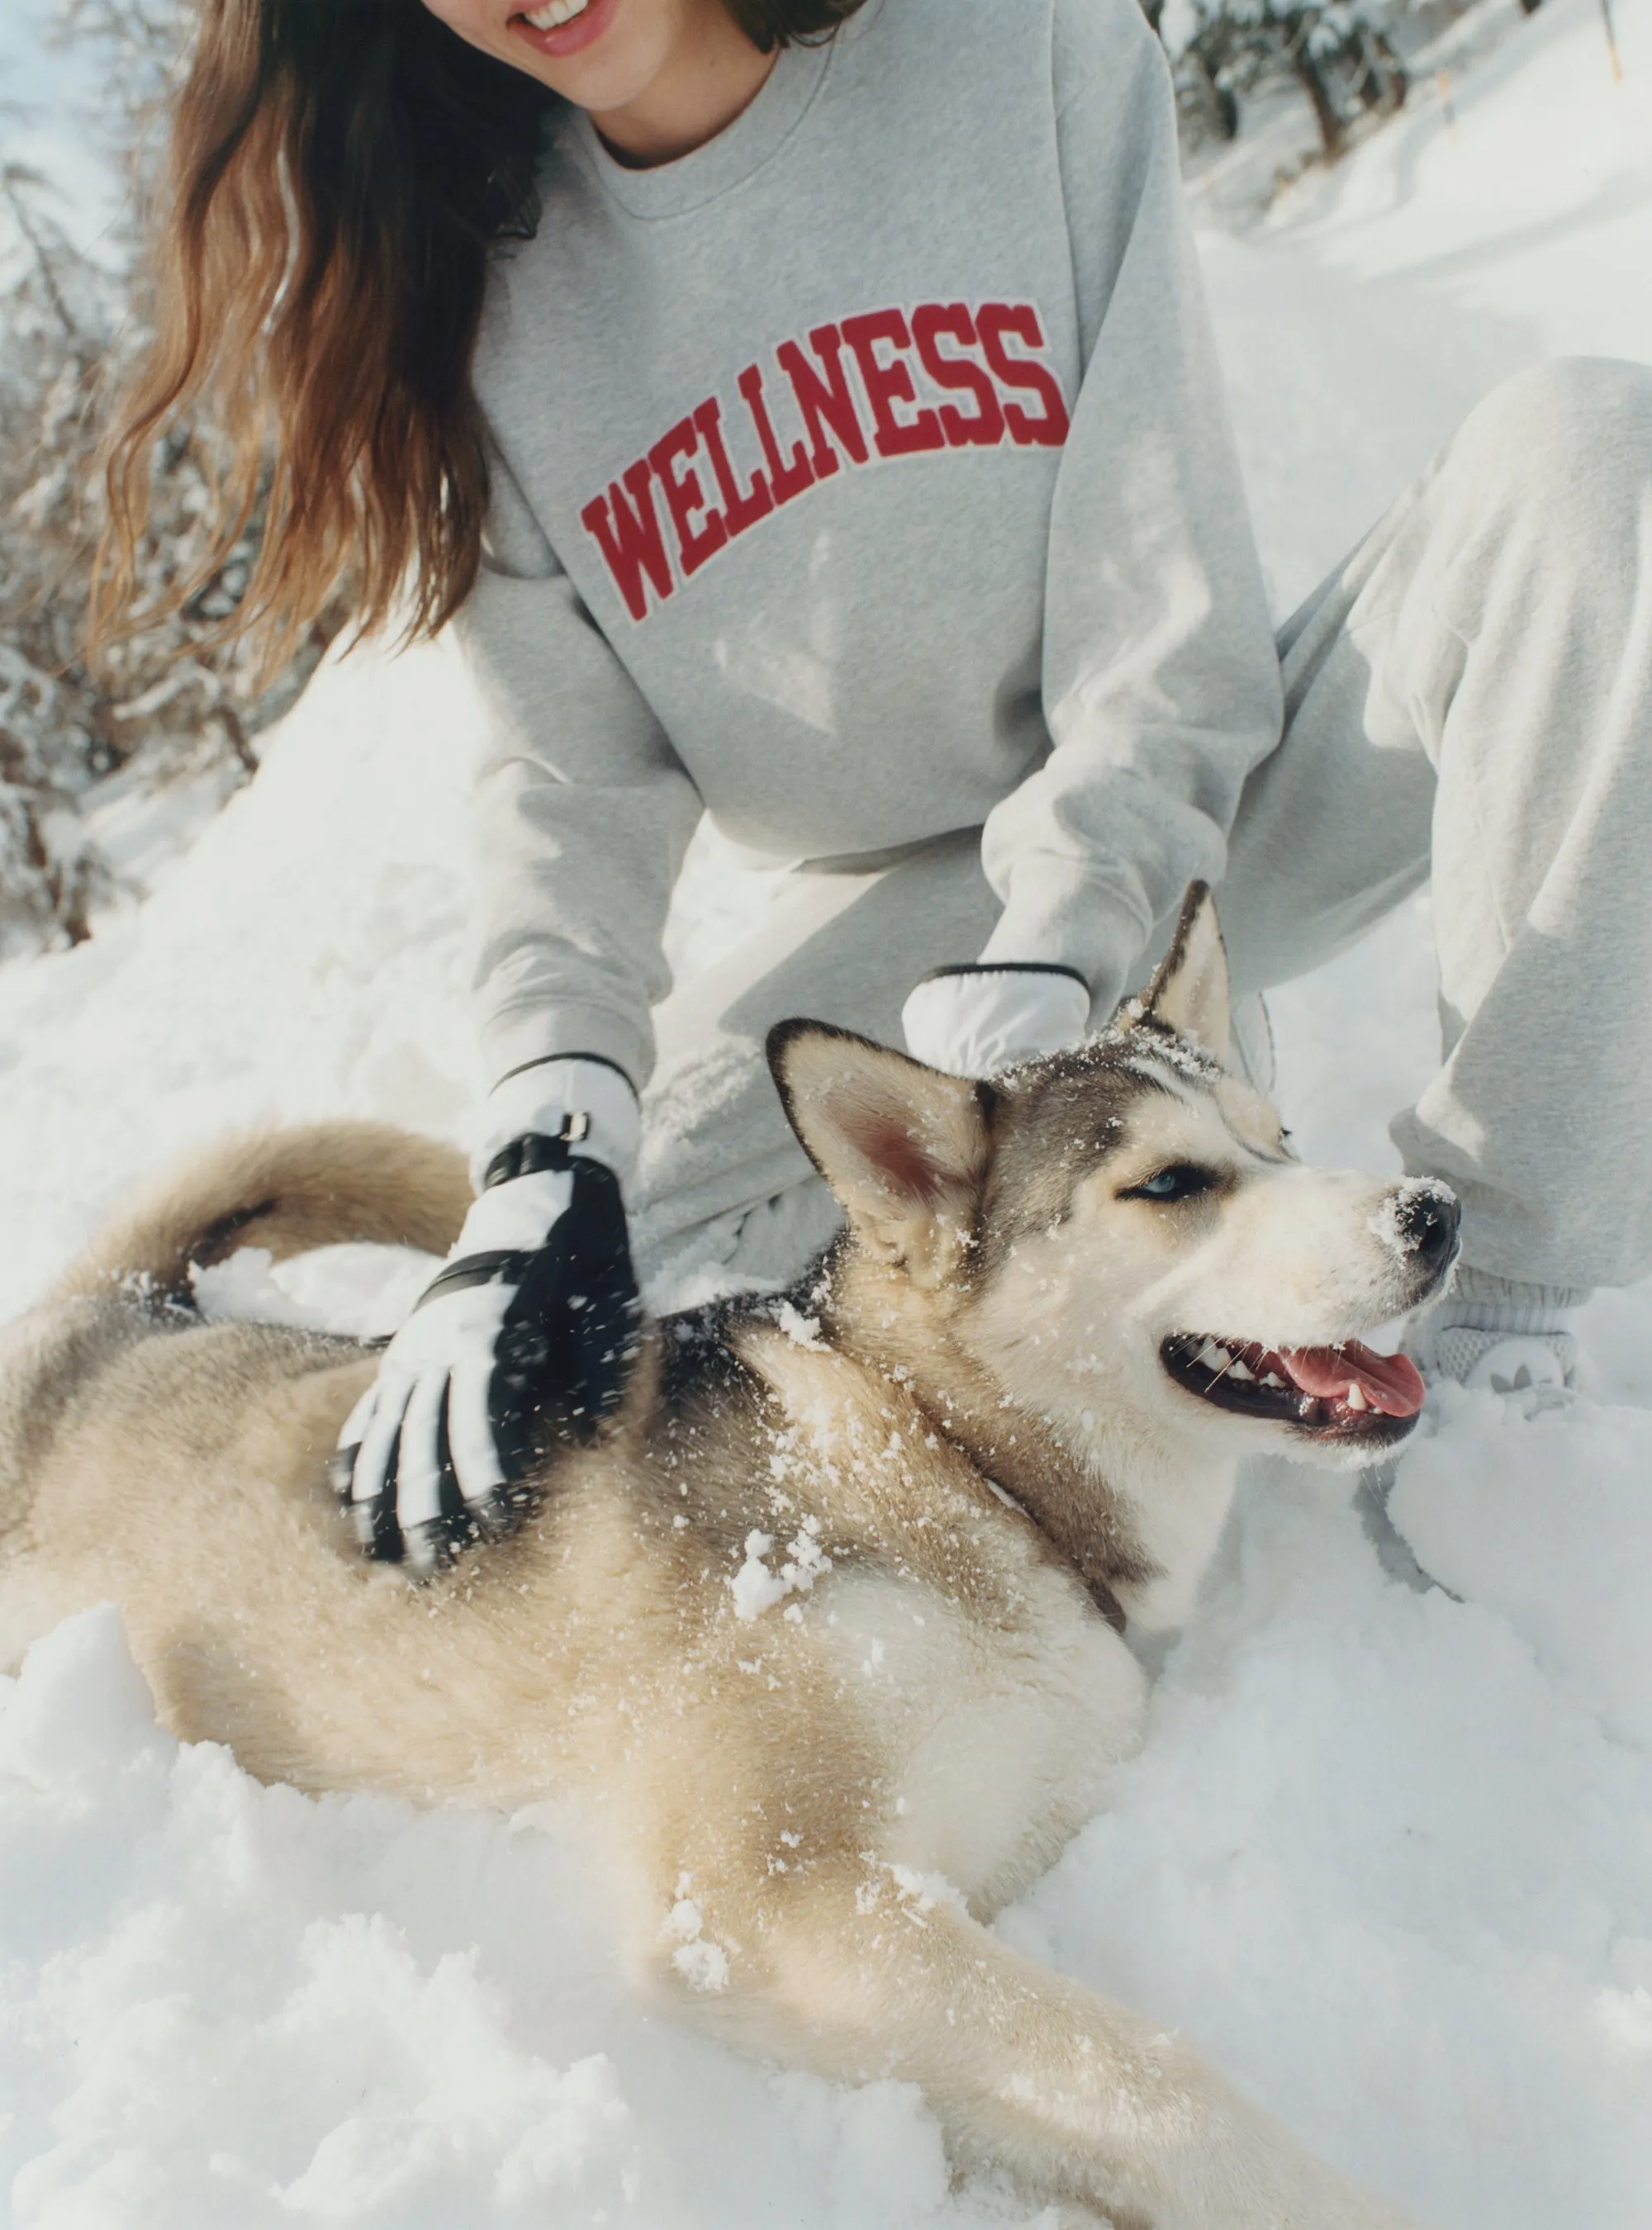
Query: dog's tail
x: 286, y: 1190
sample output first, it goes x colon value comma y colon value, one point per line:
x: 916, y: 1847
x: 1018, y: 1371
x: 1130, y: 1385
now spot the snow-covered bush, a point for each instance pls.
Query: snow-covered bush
x: 168, y: 704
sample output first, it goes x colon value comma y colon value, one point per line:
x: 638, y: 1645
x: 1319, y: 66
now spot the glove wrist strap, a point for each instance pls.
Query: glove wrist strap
x: 500, y: 1266
x: 537, y: 1100
x: 535, y: 1151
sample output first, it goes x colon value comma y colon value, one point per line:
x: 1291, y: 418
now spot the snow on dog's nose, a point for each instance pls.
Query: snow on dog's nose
x: 1419, y: 1220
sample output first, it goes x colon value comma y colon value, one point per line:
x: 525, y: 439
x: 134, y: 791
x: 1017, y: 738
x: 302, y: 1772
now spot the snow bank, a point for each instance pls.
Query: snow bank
x: 230, y: 2004
x: 1386, y: 1857
x: 1389, y: 1860
x: 304, y: 959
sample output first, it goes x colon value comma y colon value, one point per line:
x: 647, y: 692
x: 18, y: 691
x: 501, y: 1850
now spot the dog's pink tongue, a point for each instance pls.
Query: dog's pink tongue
x: 1389, y: 1382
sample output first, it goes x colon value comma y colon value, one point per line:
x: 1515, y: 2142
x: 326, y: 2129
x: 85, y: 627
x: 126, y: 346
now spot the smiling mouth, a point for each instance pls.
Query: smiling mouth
x: 552, y: 17
x: 1343, y: 1393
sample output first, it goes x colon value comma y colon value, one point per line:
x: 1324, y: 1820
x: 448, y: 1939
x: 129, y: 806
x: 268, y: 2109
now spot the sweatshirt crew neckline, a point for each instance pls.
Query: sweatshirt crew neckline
x: 736, y: 153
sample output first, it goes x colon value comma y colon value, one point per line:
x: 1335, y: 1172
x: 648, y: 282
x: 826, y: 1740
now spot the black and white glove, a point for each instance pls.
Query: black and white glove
x: 529, y: 1330
x: 974, y: 1021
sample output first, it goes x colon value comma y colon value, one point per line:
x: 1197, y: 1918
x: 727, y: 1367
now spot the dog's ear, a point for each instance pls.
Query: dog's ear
x: 904, y: 1147
x: 1190, y: 992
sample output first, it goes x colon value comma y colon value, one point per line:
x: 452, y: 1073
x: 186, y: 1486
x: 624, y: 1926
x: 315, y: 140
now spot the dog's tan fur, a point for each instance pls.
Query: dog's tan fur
x: 832, y: 1698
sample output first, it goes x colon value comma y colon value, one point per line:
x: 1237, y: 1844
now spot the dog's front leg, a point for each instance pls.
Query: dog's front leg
x: 863, y: 1973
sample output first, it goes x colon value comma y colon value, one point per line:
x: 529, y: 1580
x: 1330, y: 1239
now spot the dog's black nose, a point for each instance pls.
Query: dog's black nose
x: 1426, y: 1218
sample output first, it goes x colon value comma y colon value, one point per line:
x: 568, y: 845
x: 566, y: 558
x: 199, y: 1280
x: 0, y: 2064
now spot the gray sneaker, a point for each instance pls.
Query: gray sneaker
x: 1540, y: 1367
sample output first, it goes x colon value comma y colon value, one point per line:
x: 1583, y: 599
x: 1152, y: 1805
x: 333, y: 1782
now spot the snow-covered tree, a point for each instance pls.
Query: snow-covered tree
x: 1340, y: 52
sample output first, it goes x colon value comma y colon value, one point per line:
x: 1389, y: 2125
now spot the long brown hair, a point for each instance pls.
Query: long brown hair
x: 338, y: 172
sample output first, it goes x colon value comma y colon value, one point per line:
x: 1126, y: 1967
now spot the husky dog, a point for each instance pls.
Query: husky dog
x: 829, y: 1625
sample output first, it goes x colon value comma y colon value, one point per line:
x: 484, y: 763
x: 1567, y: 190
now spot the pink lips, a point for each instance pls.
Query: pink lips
x: 569, y: 38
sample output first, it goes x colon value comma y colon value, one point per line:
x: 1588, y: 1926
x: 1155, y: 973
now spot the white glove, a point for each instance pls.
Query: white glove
x: 532, y: 1320
x: 975, y: 1022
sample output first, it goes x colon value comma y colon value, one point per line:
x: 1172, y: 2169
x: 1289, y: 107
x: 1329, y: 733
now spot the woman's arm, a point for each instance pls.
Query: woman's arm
x: 1160, y: 682
x: 581, y: 818
x: 582, y: 813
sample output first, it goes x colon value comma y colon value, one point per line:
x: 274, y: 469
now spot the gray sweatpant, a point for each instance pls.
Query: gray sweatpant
x: 1469, y: 698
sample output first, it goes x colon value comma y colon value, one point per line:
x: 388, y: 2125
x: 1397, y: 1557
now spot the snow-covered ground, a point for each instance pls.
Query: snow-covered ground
x: 1389, y: 1858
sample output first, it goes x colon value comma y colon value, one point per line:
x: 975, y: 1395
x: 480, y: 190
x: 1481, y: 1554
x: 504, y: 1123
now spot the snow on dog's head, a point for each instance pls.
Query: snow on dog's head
x: 1121, y: 1232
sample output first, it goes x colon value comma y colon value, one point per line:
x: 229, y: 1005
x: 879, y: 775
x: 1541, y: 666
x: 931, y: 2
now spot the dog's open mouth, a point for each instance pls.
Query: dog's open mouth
x: 1345, y: 1393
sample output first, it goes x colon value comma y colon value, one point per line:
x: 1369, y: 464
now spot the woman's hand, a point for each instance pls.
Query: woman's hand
x: 976, y: 1020
x: 527, y: 1335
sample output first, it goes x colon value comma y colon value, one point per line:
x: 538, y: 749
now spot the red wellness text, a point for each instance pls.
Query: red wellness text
x: 890, y: 383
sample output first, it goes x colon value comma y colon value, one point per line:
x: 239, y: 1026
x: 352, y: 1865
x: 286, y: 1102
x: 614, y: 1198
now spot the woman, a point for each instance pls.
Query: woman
x: 832, y: 379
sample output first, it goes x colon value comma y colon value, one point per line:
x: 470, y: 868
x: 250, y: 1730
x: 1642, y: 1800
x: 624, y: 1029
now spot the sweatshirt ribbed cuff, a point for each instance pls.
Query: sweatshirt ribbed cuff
x: 519, y: 1037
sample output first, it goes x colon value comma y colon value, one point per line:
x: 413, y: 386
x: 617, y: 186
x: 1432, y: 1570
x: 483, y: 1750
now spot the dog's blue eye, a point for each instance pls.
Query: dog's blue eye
x: 1180, y: 1183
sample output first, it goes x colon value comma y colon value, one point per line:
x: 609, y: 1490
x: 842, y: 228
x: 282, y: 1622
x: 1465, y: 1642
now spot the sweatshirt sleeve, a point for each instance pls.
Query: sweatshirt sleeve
x: 1161, y: 684
x: 581, y: 813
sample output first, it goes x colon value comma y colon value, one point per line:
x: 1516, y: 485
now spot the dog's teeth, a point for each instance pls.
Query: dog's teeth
x: 1241, y: 1369
x: 1355, y: 1397
x: 1210, y: 1356
x: 1272, y: 1378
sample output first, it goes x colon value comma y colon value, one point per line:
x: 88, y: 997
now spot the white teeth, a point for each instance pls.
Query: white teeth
x: 1272, y: 1378
x: 555, y: 13
x: 1241, y: 1369
x: 1212, y: 1357
x: 1355, y: 1397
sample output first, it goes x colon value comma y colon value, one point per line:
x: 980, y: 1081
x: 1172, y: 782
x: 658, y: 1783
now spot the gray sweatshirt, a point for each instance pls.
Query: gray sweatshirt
x: 862, y: 476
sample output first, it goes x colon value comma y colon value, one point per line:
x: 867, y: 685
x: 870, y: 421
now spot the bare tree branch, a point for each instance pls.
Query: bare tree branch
x: 14, y: 177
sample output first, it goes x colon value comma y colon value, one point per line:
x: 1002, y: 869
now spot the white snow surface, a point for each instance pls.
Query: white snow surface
x: 1388, y: 1857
